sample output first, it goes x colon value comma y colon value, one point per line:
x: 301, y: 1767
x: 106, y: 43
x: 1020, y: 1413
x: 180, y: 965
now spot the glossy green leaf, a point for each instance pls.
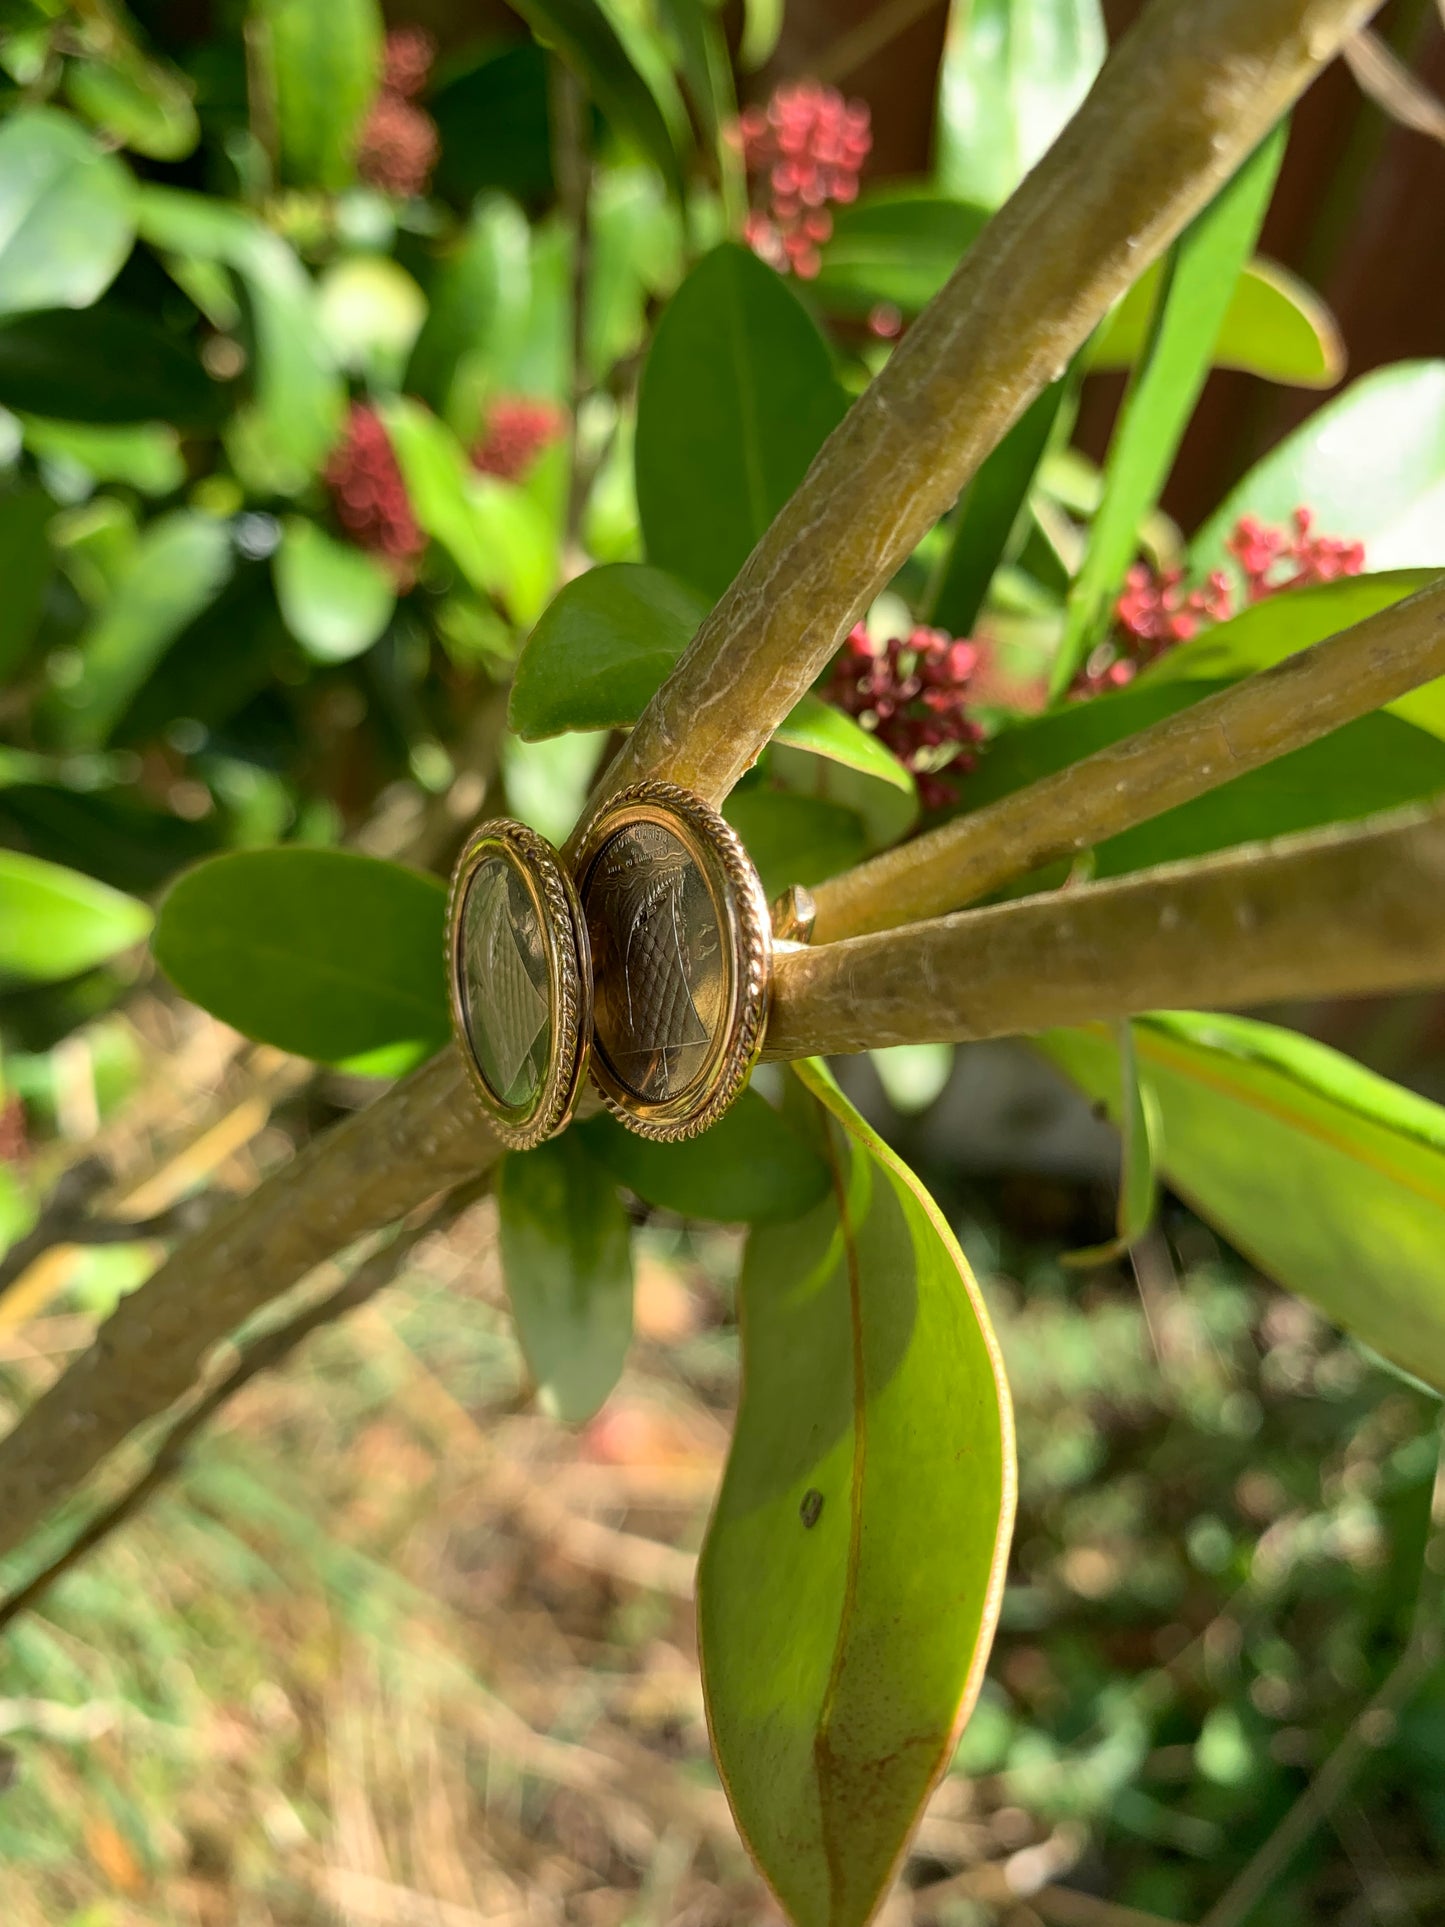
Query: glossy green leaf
x: 298, y: 397
x: 737, y: 397
x: 325, y: 953
x: 325, y: 63
x: 26, y: 566
x: 1377, y: 763
x: 478, y: 302
x: 1137, y: 1114
x: 752, y: 1167
x: 104, y: 364
x: 55, y: 922
x: 1201, y: 270
x: 608, y: 640
x: 886, y: 806
x: 586, y: 39
x: 896, y: 245
x: 67, y: 214
x: 336, y: 599
x: 1275, y: 326
x: 635, y: 257
x: 567, y: 1259
x: 144, y: 455
x: 989, y: 522
x: 494, y: 531
x: 913, y: 1076
x: 179, y: 567
x: 141, y: 102
x: 1371, y: 466
x: 1266, y: 632
x: 1329, y: 1178
x: 796, y: 838
x: 851, y: 1578
x: 1013, y: 73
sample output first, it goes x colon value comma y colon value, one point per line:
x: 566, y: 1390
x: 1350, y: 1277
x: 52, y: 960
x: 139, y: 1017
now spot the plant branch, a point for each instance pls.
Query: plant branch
x: 1338, y: 913
x: 1188, y: 93
x: 1267, y: 715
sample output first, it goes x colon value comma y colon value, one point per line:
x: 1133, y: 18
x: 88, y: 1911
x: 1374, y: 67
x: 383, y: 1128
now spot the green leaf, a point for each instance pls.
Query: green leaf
x: 55, y: 923
x: 144, y: 455
x: 567, y: 1258
x: 180, y: 565
x: 762, y: 29
x: 913, y: 1076
x: 1330, y: 1179
x: 325, y: 953
x: 104, y: 364
x: 752, y: 1167
x: 898, y: 245
x: 1013, y: 73
x: 336, y: 599
x: 495, y: 532
x: 1139, y: 1133
x: 1374, y: 764
x: 886, y: 806
x: 1268, y: 631
x: 989, y: 522
x: 370, y: 311
x: 478, y: 302
x: 1203, y: 266
x: 587, y: 40
x: 609, y: 639
x: 737, y: 397
x: 141, y: 102
x: 850, y: 1582
x: 1275, y: 326
x: 67, y: 216
x: 26, y: 566
x: 796, y: 838
x: 493, y: 121
x: 326, y: 67
x: 1370, y: 464
x: 298, y: 399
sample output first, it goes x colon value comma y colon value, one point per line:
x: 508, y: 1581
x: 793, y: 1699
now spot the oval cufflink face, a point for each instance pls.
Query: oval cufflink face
x: 678, y: 930
x: 519, y: 980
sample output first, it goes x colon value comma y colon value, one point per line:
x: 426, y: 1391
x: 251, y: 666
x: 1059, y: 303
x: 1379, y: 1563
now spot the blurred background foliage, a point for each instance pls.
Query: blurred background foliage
x: 324, y: 365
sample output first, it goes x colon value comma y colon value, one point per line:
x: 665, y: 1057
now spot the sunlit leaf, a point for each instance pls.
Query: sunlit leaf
x: 67, y: 213
x: 852, y: 1574
x: 1329, y: 1178
x: 478, y: 301
x: 144, y: 455
x: 1137, y: 1113
x: 1274, y: 326
x: 321, y: 952
x: 567, y: 1259
x: 1013, y: 73
x: 716, y: 459
x: 751, y: 1167
x: 336, y: 599
x: 1370, y: 465
x: 55, y: 922
x: 896, y: 245
x: 141, y: 102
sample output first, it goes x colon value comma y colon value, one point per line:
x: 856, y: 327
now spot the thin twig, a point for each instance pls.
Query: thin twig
x: 1185, y: 755
x: 262, y: 1355
x: 852, y: 51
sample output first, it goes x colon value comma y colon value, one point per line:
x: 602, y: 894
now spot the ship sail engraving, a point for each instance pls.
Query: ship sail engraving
x: 516, y: 1011
x: 639, y: 888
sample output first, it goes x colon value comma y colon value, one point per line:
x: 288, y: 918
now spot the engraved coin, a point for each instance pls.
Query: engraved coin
x: 678, y: 932
x: 520, y: 980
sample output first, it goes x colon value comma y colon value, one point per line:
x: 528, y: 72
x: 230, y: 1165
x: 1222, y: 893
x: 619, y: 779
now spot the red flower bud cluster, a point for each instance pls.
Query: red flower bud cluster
x: 802, y: 151
x: 1262, y: 553
x: 369, y: 497
x: 516, y: 432
x: 1156, y: 612
x: 912, y: 692
x: 399, y: 142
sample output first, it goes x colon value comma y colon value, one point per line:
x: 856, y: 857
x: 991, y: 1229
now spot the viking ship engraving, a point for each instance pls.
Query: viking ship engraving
x: 516, y: 1010
x: 639, y: 886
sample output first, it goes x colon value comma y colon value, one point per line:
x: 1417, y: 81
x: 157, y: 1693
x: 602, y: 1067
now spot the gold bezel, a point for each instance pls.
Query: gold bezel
x: 569, y: 980
x: 732, y: 883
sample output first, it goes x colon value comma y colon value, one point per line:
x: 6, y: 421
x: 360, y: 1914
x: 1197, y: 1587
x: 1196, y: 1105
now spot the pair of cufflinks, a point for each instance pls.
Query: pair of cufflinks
x: 649, y: 964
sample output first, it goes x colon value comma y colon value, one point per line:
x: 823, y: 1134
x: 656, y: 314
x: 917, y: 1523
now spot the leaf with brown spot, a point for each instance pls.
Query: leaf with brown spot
x: 850, y: 1583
